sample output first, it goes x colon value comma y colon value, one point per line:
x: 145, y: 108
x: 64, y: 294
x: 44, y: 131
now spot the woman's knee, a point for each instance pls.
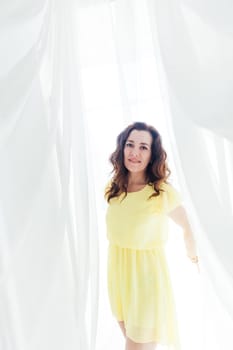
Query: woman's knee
x: 131, y: 345
x: 122, y: 326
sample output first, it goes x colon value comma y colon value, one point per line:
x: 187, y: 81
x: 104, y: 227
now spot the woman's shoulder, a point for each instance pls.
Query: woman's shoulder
x: 107, y: 188
x: 166, y: 186
x: 108, y: 185
x: 169, y: 189
x: 171, y: 196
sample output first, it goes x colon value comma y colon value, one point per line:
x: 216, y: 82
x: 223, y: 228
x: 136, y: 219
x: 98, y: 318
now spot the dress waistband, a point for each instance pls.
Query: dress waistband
x: 158, y: 246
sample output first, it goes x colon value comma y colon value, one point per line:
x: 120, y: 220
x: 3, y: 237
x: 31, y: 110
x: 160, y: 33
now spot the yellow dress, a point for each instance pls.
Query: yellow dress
x: 139, y: 285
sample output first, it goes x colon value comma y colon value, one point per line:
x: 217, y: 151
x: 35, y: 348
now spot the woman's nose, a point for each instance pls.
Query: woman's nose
x: 134, y: 152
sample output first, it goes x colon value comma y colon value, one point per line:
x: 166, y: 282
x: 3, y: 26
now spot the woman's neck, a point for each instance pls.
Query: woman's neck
x: 136, y: 179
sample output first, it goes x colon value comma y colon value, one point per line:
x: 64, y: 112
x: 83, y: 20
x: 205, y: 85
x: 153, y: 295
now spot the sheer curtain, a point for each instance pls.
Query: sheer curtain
x: 49, y: 244
x: 72, y: 75
x: 195, y: 50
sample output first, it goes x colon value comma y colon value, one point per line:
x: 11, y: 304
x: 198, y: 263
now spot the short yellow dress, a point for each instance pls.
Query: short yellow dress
x: 139, y: 285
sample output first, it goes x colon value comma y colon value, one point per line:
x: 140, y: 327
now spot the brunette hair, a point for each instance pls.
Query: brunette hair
x: 157, y: 170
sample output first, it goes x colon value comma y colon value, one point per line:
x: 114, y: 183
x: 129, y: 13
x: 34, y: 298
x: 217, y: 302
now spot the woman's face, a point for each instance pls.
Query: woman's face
x: 137, y: 151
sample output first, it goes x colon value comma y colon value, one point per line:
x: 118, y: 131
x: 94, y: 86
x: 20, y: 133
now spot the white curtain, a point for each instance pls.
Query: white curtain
x: 49, y: 244
x: 194, y: 64
x: 72, y: 75
x: 195, y: 51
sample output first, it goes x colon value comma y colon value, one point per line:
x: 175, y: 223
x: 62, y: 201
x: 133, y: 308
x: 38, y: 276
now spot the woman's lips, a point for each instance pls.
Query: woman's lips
x: 134, y: 161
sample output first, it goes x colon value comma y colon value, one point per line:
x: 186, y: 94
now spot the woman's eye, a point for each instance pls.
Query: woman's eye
x: 129, y: 145
x: 144, y: 147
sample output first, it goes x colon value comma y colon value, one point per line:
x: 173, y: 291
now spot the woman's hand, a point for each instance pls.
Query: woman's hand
x: 179, y: 216
x: 195, y: 260
x: 191, y: 248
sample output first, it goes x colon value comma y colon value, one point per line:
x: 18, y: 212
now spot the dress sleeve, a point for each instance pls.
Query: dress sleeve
x: 171, y: 198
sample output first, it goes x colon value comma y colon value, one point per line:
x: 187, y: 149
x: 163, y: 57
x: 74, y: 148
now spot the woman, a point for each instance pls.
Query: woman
x: 140, y: 202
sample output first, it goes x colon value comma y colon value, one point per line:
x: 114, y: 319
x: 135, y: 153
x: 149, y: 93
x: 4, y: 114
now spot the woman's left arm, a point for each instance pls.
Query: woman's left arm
x: 179, y: 216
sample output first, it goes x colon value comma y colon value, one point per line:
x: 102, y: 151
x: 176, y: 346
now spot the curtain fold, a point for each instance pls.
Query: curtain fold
x: 49, y: 246
x: 194, y: 49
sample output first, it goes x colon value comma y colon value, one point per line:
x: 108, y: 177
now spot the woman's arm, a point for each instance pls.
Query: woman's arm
x: 179, y: 216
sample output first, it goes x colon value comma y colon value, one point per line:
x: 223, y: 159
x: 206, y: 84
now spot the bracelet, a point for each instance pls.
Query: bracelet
x: 195, y: 259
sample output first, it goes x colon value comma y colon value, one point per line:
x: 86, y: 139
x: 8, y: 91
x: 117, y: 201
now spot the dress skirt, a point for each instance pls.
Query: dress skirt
x: 140, y: 294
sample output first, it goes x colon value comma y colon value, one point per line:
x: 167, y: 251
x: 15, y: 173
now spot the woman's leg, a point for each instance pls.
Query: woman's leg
x: 122, y: 326
x: 131, y: 345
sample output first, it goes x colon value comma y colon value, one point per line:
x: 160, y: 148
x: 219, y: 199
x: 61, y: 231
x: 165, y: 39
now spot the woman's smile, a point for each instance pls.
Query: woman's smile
x: 137, y: 151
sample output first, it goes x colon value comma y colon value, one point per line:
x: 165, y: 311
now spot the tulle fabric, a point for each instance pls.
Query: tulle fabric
x: 140, y: 294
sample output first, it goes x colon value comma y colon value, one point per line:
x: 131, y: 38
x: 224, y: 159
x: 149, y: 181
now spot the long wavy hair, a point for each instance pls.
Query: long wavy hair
x: 157, y: 170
